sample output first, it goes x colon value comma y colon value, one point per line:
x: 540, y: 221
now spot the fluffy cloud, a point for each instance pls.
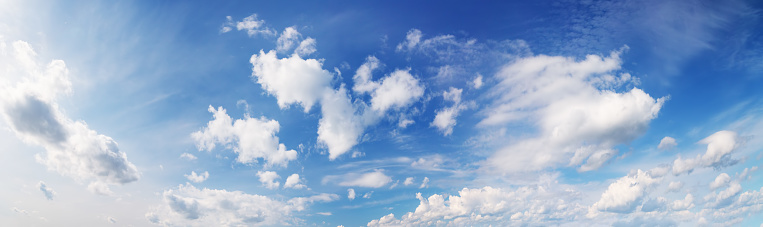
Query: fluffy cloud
x: 408, y: 181
x: 363, y: 77
x: 575, y: 107
x: 188, y: 205
x: 341, y: 125
x: 306, y: 47
x: 293, y: 181
x: 375, y: 179
x: 675, y: 186
x: 289, y: 37
x: 445, y: 119
x: 484, y: 206
x: 47, y: 191
x: 425, y: 183
x: 722, y: 180
x: 251, y: 138
x: 291, y: 80
x: 667, y: 143
x: 267, y: 178
x: 197, y: 178
x: 351, y: 194
x: 188, y: 156
x: 625, y: 194
x: 720, y: 145
x: 397, y: 90
x: 250, y: 24
x: 30, y: 109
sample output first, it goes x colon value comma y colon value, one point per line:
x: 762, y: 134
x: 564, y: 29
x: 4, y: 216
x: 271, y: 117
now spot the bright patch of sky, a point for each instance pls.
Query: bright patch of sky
x: 381, y: 113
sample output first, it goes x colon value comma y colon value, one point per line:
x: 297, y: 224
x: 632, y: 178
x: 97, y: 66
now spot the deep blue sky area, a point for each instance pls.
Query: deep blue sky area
x: 381, y: 113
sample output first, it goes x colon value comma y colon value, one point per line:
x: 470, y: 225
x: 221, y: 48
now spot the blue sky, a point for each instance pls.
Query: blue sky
x: 388, y: 113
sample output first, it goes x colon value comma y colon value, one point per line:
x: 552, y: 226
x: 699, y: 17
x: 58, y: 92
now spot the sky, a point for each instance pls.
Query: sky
x: 381, y: 113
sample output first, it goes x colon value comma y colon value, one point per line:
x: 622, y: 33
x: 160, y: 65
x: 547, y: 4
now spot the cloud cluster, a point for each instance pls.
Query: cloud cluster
x: 197, y: 178
x: 488, y: 205
x: 250, y: 24
x: 30, y: 109
x: 579, y: 115
x: 251, y: 138
x: 445, y: 119
x: 187, y: 205
x: 719, y: 147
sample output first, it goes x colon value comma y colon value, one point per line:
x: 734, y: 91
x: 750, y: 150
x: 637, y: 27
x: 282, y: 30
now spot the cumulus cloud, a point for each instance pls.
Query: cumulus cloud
x: 625, y: 194
x: 341, y: 125
x: 725, y: 197
x: 47, y: 191
x: 289, y: 37
x: 408, y: 181
x: 291, y: 80
x: 293, y: 181
x: 363, y: 77
x: 685, y: 204
x: 306, y: 47
x: 477, y: 82
x: 250, y: 24
x: 667, y: 143
x: 267, y: 178
x: 251, y: 138
x: 722, y: 180
x: 411, y: 40
x: 720, y: 145
x: 575, y: 107
x: 188, y: 156
x: 397, y: 90
x: 351, y: 194
x: 425, y: 183
x: 30, y: 109
x: 374, y: 179
x: 197, y: 178
x: 675, y: 186
x: 485, y: 206
x: 445, y: 119
x: 187, y: 205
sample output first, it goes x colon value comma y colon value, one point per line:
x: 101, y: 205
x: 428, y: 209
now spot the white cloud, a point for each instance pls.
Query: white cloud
x: 411, y: 40
x: 250, y: 24
x: 306, y: 47
x: 477, y: 82
x: 363, y: 78
x: 445, y: 119
x: 675, y: 186
x: 685, y: 204
x: 485, y: 206
x: 289, y: 37
x: 267, y: 178
x: 408, y: 181
x: 720, y: 145
x: 188, y: 156
x: 625, y: 194
x: 250, y: 138
x: 724, y: 198
x: 30, y: 109
x: 291, y: 80
x: 667, y: 143
x: 576, y: 111
x: 190, y: 206
x: 47, y: 191
x: 722, y: 180
x: 341, y: 126
x: 425, y: 183
x: 375, y: 179
x: 293, y: 181
x: 99, y: 188
x: 397, y: 90
x: 368, y: 195
x: 351, y: 194
x: 111, y: 220
x: 197, y: 178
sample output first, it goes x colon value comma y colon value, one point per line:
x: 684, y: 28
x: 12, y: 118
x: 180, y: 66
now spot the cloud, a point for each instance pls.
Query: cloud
x: 397, y: 90
x: 720, y: 145
x: 291, y: 80
x: 575, y: 108
x: 477, y: 82
x: 72, y: 148
x: 724, y: 198
x: 197, y: 178
x: 250, y: 24
x: 445, y: 119
x: 408, y: 181
x: 625, y: 194
x: 47, y: 191
x: 539, y: 205
x: 267, y: 178
x: 363, y: 77
x: 289, y: 37
x: 187, y: 205
x: 250, y: 138
x: 351, y: 194
x: 411, y: 40
x: 188, y: 156
x: 368, y: 195
x: 306, y: 47
x: 667, y: 143
x: 341, y: 125
x: 424, y: 183
x: 685, y: 204
x: 293, y: 181
x: 375, y: 179
x: 675, y: 186
x: 722, y: 180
